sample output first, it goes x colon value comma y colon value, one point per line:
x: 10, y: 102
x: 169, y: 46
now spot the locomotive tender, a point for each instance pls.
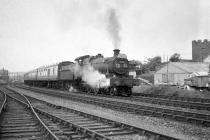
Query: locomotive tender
x: 62, y: 75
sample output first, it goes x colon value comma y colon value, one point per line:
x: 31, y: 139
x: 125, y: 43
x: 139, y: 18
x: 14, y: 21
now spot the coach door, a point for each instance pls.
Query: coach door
x: 48, y: 72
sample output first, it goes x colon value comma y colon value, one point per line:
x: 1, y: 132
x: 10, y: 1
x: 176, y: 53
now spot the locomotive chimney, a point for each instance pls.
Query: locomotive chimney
x: 116, y: 52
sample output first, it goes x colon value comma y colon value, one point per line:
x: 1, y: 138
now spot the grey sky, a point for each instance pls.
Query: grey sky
x: 39, y: 32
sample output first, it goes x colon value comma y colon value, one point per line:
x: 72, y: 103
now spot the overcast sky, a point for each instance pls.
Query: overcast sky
x: 39, y: 32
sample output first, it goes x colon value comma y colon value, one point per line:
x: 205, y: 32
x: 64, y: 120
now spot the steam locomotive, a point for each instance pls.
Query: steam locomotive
x: 114, y: 71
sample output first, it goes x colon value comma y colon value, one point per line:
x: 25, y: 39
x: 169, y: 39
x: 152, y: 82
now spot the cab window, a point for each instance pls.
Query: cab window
x: 125, y: 65
x: 117, y: 65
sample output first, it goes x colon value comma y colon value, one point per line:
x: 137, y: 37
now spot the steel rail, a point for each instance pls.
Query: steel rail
x: 158, y: 96
x: 186, y: 116
x: 139, y: 130
x: 83, y: 130
x: 153, y: 100
x: 173, y: 102
x: 44, y: 128
x: 198, y: 100
x: 3, y: 105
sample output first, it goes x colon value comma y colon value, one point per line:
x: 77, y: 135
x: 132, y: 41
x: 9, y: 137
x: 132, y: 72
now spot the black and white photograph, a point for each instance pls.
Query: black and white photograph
x: 104, y: 70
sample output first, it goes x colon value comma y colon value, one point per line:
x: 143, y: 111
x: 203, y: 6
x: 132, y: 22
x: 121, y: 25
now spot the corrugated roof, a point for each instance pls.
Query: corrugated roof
x: 200, y: 73
x: 192, y: 66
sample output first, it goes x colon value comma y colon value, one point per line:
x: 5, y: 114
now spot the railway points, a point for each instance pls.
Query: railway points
x: 19, y: 121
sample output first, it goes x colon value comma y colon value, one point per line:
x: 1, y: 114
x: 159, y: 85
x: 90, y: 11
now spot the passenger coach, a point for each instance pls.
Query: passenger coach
x: 53, y: 76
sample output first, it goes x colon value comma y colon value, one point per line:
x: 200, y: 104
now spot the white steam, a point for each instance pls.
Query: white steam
x: 91, y: 76
x: 72, y: 89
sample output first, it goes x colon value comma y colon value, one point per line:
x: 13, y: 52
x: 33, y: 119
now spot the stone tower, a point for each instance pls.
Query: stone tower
x: 200, y: 50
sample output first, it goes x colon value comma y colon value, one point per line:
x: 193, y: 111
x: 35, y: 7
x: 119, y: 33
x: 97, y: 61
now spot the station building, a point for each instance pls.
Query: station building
x: 174, y: 73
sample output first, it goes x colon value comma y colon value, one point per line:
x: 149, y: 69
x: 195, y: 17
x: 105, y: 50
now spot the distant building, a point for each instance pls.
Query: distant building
x: 174, y: 73
x: 200, y: 50
x: 16, y: 76
x: 4, y: 76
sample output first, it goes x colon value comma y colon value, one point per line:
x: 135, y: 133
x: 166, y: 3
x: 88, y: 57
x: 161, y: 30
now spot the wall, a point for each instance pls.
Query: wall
x: 178, y: 79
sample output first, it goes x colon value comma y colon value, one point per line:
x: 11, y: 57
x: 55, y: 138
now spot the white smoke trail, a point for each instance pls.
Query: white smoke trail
x: 91, y: 76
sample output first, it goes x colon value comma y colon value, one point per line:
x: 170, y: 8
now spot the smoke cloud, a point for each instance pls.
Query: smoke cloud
x: 91, y: 76
x: 113, y: 28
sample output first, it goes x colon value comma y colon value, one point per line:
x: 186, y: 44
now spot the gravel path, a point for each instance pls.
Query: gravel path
x: 168, y: 127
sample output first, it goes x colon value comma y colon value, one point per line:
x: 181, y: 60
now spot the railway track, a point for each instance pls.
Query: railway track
x: 19, y: 121
x: 191, y: 103
x: 150, y: 110
x: 58, y: 130
x: 2, y: 102
x: 183, y: 102
x: 174, y: 102
x: 187, y: 99
x: 91, y: 125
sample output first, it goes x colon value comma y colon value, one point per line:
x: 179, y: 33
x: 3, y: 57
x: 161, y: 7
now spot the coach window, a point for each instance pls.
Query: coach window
x: 48, y: 72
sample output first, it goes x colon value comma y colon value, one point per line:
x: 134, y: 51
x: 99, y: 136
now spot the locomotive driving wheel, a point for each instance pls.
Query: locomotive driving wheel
x: 113, y: 91
x: 129, y: 92
x: 95, y: 91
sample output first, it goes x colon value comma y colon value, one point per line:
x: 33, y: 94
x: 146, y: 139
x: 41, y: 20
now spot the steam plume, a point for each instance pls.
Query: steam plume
x: 113, y: 28
x: 91, y: 76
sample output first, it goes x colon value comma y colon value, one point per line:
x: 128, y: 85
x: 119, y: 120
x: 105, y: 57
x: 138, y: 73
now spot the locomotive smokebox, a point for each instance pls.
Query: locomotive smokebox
x: 116, y: 52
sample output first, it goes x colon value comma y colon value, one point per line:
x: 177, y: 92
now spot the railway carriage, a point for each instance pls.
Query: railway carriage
x: 53, y: 76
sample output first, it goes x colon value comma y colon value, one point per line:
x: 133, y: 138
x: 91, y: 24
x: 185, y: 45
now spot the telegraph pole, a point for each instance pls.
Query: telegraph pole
x: 167, y: 70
